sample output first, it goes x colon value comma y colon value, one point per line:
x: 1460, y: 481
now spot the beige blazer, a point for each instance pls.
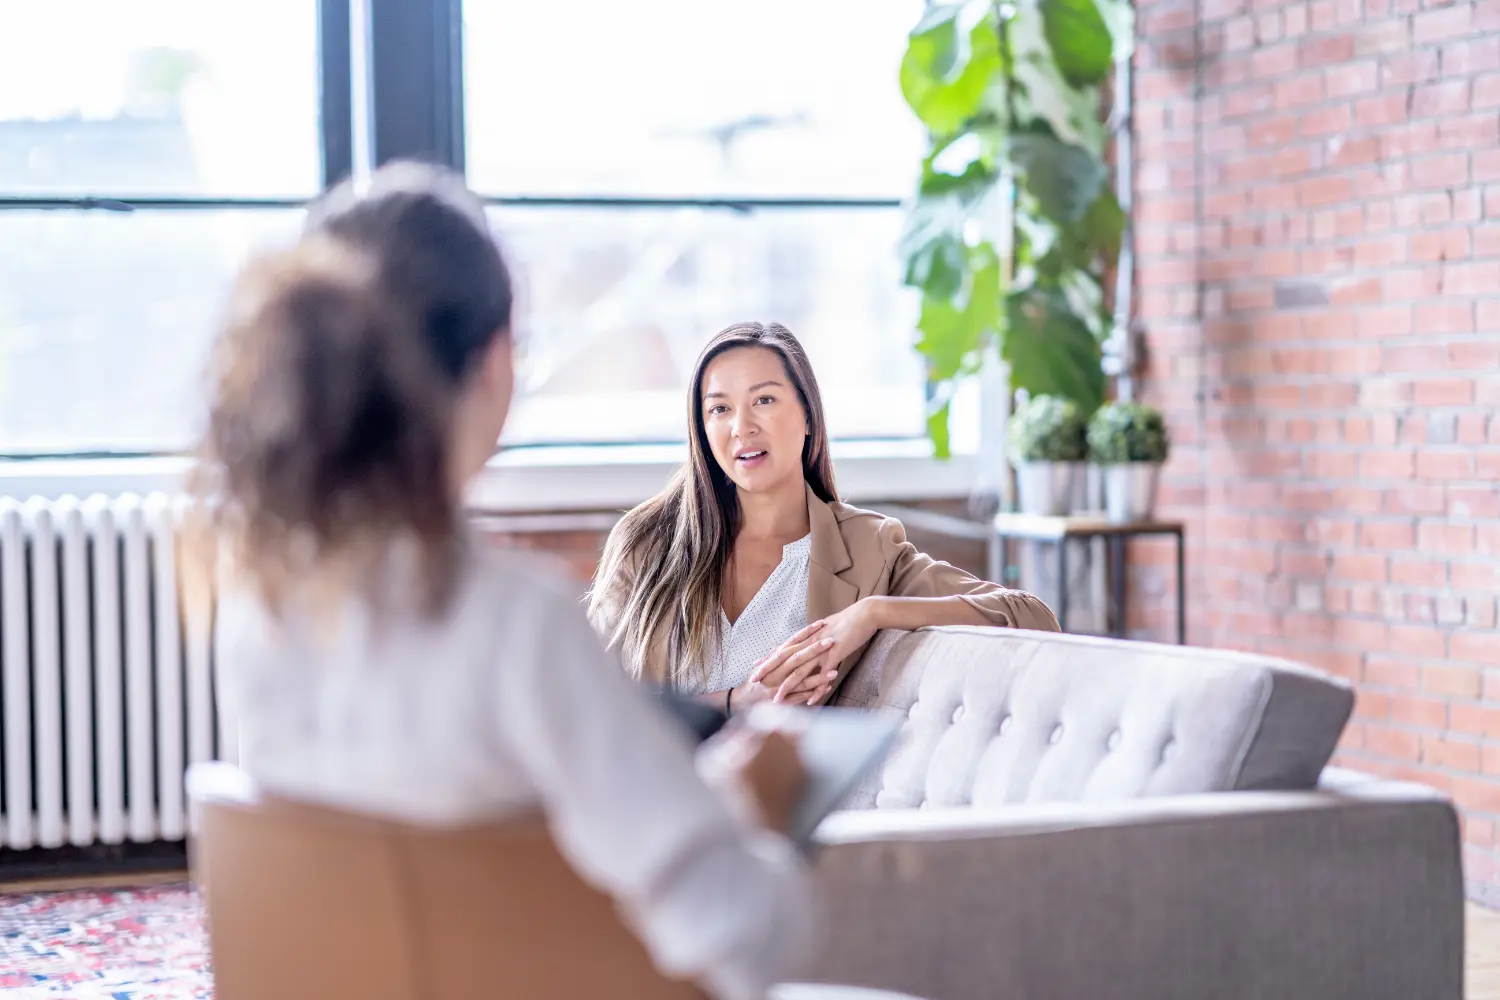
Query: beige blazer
x: 859, y: 553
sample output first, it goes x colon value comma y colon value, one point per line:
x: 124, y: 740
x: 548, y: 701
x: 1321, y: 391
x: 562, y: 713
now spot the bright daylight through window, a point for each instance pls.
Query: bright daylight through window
x: 680, y: 99
x: 105, y: 315
x: 658, y: 170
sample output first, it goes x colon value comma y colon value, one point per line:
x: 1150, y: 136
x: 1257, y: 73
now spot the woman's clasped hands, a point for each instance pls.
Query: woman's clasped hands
x: 802, y: 670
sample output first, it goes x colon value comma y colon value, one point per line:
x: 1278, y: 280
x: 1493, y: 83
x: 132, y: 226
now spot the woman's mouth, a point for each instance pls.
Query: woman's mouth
x: 750, y: 458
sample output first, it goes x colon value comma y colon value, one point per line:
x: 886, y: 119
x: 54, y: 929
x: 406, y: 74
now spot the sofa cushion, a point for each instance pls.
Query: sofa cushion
x: 997, y: 716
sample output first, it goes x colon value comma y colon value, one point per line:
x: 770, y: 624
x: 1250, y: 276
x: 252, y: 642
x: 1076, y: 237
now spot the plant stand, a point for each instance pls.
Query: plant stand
x: 1058, y: 531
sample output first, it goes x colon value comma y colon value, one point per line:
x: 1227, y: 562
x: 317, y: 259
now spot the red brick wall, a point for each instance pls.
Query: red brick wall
x: 1319, y: 237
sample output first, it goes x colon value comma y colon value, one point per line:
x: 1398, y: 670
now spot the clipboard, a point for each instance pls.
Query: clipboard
x: 838, y: 746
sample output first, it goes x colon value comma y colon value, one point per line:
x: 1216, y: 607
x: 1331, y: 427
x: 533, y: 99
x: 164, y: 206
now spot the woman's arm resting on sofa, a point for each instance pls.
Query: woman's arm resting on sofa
x: 915, y: 574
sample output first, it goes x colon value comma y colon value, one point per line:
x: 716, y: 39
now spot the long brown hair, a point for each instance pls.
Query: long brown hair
x: 660, y: 583
x: 333, y: 386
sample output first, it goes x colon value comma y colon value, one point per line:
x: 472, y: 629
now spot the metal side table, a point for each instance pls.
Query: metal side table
x: 1059, y: 530
x: 1056, y: 531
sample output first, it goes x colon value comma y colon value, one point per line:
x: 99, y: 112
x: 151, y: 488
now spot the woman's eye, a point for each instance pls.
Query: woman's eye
x: 766, y: 399
x: 717, y: 408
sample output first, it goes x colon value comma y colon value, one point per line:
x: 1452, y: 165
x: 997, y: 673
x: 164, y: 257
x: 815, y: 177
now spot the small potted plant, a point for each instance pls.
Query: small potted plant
x: 1048, y: 447
x: 1129, y: 443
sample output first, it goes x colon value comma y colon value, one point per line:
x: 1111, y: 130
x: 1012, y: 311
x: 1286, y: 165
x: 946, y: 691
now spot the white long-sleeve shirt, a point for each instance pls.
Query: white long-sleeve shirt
x: 509, y: 703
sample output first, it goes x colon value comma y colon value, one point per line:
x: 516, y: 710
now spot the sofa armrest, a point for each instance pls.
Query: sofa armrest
x: 1293, y: 896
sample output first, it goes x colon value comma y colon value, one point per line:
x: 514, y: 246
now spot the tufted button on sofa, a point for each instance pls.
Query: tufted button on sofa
x: 1073, y: 817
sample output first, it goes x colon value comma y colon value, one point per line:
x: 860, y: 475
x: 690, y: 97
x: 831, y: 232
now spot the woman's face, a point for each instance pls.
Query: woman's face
x: 753, y: 419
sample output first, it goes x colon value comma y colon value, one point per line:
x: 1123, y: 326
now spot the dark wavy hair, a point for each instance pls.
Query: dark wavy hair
x: 333, y: 387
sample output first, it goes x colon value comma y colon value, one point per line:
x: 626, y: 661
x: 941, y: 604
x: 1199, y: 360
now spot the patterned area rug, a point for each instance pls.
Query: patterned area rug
x: 136, y: 944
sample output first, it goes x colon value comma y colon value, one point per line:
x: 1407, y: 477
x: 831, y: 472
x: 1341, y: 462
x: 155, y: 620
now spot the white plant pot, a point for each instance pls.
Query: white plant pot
x: 1130, y: 491
x: 1047, y: 488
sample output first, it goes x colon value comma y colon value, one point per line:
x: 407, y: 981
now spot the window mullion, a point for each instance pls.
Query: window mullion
x: 416, y: 69
x: 335, y: 90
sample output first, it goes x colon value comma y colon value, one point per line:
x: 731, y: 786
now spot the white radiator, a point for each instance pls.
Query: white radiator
x: 106, y: 692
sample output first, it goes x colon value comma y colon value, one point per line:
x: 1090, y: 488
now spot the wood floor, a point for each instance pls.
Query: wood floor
x: 135, y: 880
x: 1482, y: 964
x: 1482, y: 938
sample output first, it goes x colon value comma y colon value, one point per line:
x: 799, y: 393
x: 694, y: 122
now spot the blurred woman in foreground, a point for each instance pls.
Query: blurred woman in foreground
x: 379, y: 659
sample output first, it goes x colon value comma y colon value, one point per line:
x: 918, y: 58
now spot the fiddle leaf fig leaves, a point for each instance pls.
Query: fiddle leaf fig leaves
x: 1010, y: 98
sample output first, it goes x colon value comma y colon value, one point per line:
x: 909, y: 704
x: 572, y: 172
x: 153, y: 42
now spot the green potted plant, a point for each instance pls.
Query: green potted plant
x: 1015, y: 224
x: 1048, y: 446
x: 1129, y: 442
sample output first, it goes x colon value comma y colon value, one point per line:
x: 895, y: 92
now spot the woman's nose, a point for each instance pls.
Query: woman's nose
x: 744, y: 423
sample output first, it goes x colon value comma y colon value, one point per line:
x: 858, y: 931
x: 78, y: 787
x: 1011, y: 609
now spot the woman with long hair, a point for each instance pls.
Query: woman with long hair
x: 376, y: 657
x: 746, y: 579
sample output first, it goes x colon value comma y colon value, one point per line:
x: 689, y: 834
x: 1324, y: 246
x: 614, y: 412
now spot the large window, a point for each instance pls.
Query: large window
x: 159, y: 97
x: 699, y: 164
x: 682, y: 98
x: 174, y: 112
x: 616, y: 304
x: 657, y: 171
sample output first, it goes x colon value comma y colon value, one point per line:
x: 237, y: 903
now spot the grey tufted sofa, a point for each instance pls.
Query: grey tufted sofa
x: 1077, y: 818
